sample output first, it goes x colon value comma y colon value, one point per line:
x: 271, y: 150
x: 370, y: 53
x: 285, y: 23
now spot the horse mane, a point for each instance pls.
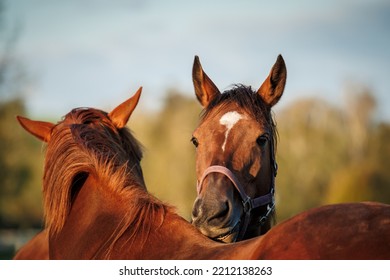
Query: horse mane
x: 87, y: 143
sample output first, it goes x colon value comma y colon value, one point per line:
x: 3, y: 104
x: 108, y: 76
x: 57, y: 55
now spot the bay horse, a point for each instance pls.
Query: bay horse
x: 97, y: 207
x: 235, y: 156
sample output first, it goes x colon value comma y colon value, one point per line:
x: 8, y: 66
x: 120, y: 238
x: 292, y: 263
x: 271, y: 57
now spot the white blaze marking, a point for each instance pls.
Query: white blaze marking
x: 229, y: 120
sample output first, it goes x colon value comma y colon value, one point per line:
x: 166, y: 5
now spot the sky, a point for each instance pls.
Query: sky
x: 97, y: 53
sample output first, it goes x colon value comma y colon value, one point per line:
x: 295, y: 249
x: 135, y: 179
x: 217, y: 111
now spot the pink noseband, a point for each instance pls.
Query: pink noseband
x: 248, y: 202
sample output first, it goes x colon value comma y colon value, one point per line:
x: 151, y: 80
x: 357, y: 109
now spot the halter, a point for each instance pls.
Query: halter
x: 247, y: 202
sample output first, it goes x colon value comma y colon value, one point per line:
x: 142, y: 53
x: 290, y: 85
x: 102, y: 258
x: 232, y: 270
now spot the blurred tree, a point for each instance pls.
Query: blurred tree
x: 20, y: 171
x: 169, y: 160
x: 330, y: 154
x: 311, y: 147
x: 13, y: 79
x: 360, y: 107
x: 20, y: 159
x: 366, y: 177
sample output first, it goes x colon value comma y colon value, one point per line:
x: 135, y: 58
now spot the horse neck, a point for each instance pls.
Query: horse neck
x: 176, y: 238
x: 90, y: 221
x: 94, y: 218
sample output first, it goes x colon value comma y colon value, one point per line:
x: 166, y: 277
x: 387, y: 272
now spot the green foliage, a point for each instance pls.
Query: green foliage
x: 310, y: 149
x: 326, y: 154
x: 169, y: 158
x: 330, y: 154
x: 367, y: 178
x: 21, y: 163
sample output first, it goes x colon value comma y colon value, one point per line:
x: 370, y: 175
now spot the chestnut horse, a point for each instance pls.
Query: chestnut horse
x: 235, y: 156
x: 97, y: 207
x: 35, y: 249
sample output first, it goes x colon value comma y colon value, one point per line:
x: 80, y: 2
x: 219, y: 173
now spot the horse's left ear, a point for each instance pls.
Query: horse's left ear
x: 121, y: 114
x: 41, y: 130
x: 272, y: 88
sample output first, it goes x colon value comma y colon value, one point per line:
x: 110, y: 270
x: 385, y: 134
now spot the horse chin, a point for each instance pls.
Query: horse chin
x: 229, y: 237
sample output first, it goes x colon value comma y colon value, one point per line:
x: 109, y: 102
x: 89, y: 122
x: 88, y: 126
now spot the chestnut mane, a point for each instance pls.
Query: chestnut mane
x: 86, y: 143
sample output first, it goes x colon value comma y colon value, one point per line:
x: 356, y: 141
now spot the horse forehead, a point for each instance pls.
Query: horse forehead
x: 85, y: 114
x: 230, y: 118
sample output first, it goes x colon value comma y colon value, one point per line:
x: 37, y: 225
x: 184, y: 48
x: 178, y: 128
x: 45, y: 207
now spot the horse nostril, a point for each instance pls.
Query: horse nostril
x: 210, y: 212
x: 195, y: 212
x: 223, y: 211
x: 196, y: 208
x: 220, y: 215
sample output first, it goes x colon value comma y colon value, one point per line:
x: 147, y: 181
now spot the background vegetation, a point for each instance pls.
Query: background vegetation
x: 326, y: 154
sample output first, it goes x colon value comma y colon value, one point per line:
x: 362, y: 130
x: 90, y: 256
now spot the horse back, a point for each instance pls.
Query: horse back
x: 341, y: 231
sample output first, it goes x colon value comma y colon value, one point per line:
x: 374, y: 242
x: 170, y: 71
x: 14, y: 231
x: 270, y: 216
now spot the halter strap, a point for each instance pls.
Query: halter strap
x: 249, y: 203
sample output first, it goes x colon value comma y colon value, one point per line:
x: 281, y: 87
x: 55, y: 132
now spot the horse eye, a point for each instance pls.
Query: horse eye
x: 195, y: 141
x: 262, y: 140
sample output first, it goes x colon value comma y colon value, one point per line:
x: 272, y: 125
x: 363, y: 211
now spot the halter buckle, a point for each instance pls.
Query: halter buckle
x: 247, y: 205
x: 270, y: 208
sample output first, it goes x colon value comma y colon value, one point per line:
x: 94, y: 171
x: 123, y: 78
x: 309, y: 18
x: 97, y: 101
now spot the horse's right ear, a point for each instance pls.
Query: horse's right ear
x: 205, y: 89
x: 41, y: 130
x: 121, y: 114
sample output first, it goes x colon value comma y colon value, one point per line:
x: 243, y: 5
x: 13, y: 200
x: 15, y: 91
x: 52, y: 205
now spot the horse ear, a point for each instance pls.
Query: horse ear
x: 205, y: 89
x: 41, y: 130
x: 272, y: 88
x: 121, y: 114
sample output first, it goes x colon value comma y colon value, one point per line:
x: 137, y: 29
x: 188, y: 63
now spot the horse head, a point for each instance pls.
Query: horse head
x: 235, y: 156
x: 84, y: 143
